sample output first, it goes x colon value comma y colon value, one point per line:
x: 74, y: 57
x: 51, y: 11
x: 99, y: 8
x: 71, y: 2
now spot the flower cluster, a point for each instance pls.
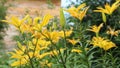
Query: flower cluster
x: 43, y: 46
x: 41, y: 39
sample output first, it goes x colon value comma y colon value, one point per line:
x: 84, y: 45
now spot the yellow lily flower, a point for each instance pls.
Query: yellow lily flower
x: 45, y: 21
x: 46, y: 63
x: 26, y: 28
x: 43, y: 55
x: 118, y: 0
x: 43, y: 43
x: 80, y: 7
x: 76, y: 50
x: 82, y: 13
x: 78, y: 12
x: 67, y: 33
x: 36, y: 20
x: 95, y: 28
x: 72, y: 41
x: 72, y: 11
x: 16, y: 21
x: 108, y: 9
x: 56, y: 52
x: 20, y: 56
x: 102, y: 43
x: 37, y: 34
x: 20, y: 62
x: 54, y: 35
x: 113, y: 32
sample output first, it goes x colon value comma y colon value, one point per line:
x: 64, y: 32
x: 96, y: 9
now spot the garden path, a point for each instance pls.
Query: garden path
x: 34, y: 8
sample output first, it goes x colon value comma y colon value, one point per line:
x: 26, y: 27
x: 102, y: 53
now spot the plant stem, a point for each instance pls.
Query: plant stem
x: 65, y: 40
x: 62, y: 59
x: 35, y: 48
x: 31, y: 63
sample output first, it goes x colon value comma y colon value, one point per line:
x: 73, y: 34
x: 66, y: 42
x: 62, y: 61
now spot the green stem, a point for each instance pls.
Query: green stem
x: 35, y: 48
x: 62, y: 59
x: 27, y: 52
x: 20, y: 64
x: 105, y: 59
x: 60, y: 55
x: 111, y: 37
x: 31, y: 63
x: 97, y: 34
x: 65, y: 41
x: 85, y: 53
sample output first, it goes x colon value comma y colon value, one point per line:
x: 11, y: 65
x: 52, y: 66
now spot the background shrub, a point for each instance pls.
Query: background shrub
x: 3, y: 10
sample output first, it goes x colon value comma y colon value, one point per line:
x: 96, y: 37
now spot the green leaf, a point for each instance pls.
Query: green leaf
x: 62, y: 18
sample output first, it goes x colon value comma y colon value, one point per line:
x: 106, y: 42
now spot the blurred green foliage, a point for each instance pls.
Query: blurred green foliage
x: 3, y: 9
x: 3, y: 56
x: 4, y: 63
